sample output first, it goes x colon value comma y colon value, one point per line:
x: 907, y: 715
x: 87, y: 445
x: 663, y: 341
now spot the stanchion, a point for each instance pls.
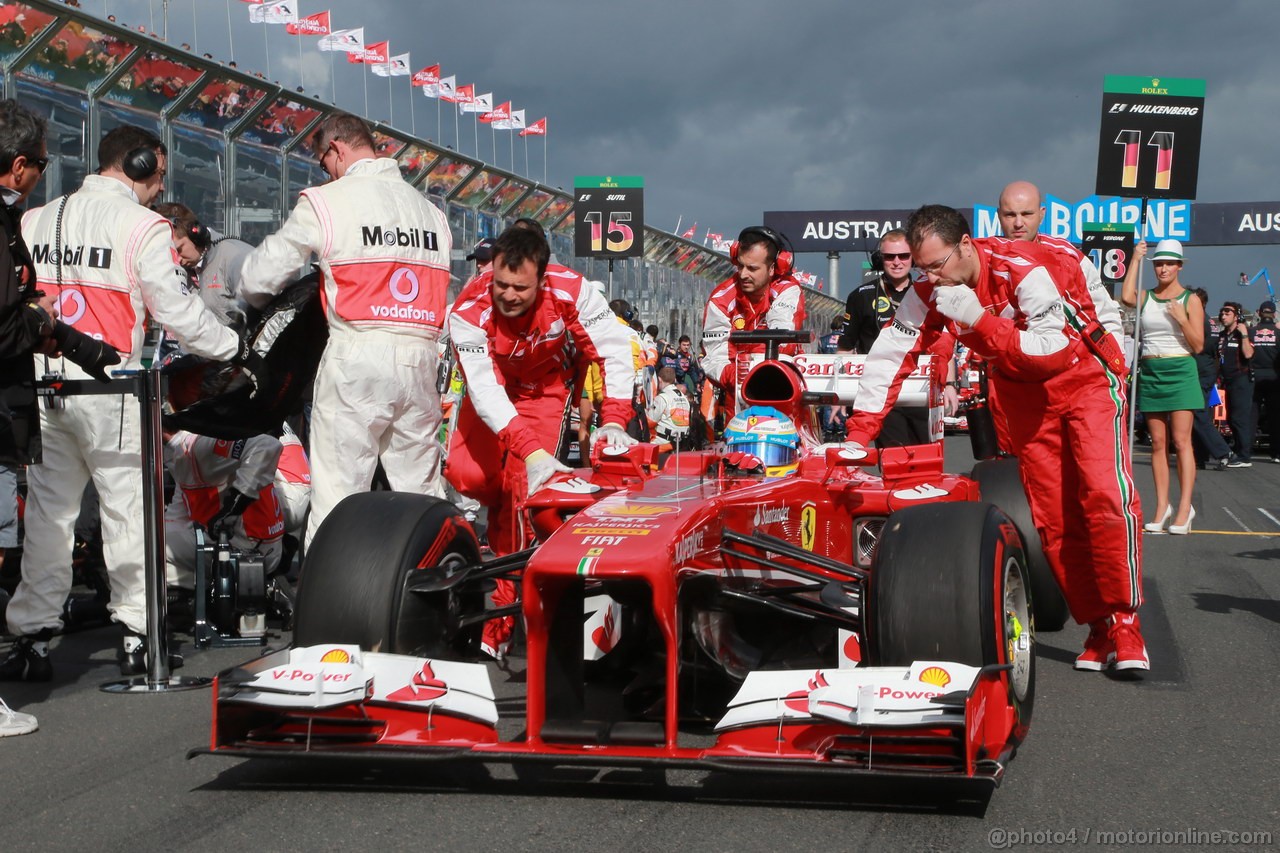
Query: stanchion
x: 146, y: 386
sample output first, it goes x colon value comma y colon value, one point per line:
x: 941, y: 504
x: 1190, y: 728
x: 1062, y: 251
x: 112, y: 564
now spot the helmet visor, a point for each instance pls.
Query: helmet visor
x: 771, y: 455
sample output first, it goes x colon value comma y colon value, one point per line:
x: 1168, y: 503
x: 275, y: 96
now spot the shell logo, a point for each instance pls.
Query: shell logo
x: 631, y: 510
x: 936, y: 676
x: 739, y: 323
x: 335, y: 656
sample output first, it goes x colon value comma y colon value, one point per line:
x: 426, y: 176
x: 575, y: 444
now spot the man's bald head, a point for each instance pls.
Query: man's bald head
x: 1021, y: 209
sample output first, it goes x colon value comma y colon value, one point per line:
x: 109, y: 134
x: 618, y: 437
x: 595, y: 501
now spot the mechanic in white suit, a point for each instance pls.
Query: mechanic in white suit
x: 222, y: 486
x: 384, y: 251
x: 111, y: 261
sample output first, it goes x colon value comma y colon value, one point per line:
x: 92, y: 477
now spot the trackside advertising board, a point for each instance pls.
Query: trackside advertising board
x: 608, y: 214
x: 1150, y: 141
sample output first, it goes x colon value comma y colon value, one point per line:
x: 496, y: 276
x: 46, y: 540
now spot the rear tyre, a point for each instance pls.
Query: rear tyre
x: 964, y: 600
x: 372, y: 545
x: 1001, y: 484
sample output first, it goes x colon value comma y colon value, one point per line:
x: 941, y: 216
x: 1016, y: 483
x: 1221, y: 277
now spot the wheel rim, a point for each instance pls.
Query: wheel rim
x: 1018, y: 638
x: 427, y: 623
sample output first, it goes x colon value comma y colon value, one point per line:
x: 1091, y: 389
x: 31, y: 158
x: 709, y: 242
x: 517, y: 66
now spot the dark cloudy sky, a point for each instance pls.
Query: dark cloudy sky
x: 731, y: 108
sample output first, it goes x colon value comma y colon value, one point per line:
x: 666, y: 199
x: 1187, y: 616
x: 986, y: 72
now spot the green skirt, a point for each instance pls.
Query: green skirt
x: 1169, y: 385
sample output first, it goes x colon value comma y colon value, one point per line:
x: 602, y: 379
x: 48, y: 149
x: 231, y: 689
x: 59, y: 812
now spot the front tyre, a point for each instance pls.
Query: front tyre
x: 949, y: 582
x: 368, y: 550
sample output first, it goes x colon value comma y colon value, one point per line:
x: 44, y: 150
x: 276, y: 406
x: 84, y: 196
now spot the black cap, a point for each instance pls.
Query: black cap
x: 1267, y: 306
x: 483, y: 252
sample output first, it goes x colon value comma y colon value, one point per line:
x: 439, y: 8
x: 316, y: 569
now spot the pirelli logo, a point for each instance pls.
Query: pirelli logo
x: 906, y: 330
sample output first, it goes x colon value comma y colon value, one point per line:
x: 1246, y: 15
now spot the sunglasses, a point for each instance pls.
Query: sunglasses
x: 40, y: 163
x: 896, y: 256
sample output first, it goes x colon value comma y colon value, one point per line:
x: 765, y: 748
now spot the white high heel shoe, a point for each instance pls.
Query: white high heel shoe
x: 1183, y: 529
x: 1158, y: 526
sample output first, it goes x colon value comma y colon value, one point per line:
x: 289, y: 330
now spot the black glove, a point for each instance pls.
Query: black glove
x: 93, y: 355
x: 252, y: 365
x: 234, y: 503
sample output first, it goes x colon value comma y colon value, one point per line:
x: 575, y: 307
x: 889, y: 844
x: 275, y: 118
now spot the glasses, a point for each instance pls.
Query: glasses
x: 896, y: 256
x: 934, y: 269
x: 1227, y: 311
x: 40, y: 163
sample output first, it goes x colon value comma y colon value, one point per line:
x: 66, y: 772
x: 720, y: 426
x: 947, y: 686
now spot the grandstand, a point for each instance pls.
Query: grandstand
x: 238, y: 159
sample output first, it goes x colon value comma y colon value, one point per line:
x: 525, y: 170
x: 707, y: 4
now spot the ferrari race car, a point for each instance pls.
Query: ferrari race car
x: 865, y: 612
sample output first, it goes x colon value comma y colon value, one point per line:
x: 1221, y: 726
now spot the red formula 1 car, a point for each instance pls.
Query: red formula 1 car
x: 679, y: 613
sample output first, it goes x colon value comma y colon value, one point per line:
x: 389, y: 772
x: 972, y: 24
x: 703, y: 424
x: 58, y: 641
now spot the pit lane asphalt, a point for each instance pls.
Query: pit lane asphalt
x: 1191, y: 747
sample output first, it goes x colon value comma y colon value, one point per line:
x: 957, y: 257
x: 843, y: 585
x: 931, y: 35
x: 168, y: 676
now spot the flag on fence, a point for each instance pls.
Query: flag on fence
x: 279, y: 12
x: 371, y: 54
x: 311, y: 25
x: 343, y: 40
x: 396, y: 66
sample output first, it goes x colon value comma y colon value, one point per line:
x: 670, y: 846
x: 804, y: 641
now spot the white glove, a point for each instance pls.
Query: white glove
x: 613, y: 435
x: 958, y: 302
x: 540, y: 466
x: 851, y: 450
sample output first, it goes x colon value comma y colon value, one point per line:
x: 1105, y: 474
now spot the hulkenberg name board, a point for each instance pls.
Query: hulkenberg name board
x: 1149, y: 146
x: 1193, y: 223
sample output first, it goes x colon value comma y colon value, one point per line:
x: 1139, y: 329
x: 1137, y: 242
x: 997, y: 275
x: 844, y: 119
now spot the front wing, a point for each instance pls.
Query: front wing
x: 934, y: 719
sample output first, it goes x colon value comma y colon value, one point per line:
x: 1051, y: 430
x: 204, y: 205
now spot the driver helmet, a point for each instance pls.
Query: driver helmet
x: 767, y: 434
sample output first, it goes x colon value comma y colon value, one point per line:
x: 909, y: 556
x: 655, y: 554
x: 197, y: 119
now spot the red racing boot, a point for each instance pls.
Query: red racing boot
x: 1126, y: 634
x: 1099, y: 649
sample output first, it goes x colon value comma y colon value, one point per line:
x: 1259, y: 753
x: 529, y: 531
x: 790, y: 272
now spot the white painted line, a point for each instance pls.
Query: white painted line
x: 1237, y: 520
x: 1274, y: 520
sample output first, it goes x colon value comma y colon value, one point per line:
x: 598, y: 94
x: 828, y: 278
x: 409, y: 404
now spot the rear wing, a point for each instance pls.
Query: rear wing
x: 840, y: 374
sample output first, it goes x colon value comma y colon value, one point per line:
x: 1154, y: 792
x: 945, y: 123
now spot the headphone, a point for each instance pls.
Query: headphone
x: 200, y: 236
x: 783, y: 263
x: 877, y: 261
x: 140, y: 163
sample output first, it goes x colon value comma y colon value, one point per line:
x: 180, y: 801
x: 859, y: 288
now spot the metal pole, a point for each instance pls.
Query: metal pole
x: 1137, y: 334
x: 833, y: 273
x: 611, y: 279
x: 149, y: 390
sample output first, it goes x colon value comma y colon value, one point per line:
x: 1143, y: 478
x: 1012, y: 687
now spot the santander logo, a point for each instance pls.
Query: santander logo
x: 799, y: 700
x: 424, y: 687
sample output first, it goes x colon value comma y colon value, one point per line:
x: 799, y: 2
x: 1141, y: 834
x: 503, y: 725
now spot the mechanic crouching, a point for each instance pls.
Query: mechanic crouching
x: 227, y: 488
x: 510, y: 327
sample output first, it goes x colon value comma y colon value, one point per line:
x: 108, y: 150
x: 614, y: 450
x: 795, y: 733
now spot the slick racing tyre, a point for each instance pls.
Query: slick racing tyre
x: 949, y: 582
x: 369, y: 550
x: 1001, y: 484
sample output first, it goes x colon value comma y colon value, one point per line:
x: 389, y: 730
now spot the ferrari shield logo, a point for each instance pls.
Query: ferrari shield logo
x: 808, y: 526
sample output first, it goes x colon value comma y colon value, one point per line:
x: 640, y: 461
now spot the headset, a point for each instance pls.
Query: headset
x: 200, y: 236
x: 877, y: 261
x: 141, y: 163
x: 783, y: 263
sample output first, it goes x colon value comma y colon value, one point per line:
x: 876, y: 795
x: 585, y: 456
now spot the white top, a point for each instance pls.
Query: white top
x: 1161, y: 334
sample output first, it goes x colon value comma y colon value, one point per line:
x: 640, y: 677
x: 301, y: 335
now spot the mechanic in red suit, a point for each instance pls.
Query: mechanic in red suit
x: 512, y: 327
x: 760, y: 295
x: 1025, y: 308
